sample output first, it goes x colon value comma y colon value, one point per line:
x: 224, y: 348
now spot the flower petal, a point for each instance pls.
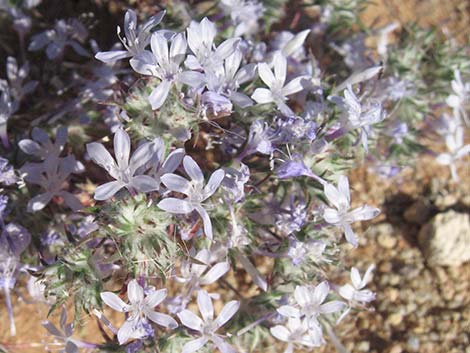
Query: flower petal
x: 159, y: 94
x: 106, y: 191
x: 262, y: 96
x: 213, y: 183
x: 162, y: 319
x: 144, y: 183
x: 176, y: 206
x: 227, y: 313
x: 155, y: 297
x: 176, y: 183
x: 193, y: 170
x: 204, y: 302
x: 113, y: 301
x: 190, y: 320
x: 135, y: 292
x: 112, y: 56
x: 194, y: 345
x: 122, y: 148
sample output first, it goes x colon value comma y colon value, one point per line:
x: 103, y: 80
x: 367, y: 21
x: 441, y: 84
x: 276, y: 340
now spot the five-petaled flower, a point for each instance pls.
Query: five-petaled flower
x: 207, y: 326
x: 135, y: 40
x: 278, y: 89
x: 195, y: 191
x: 356, y: 291
x: 123, y: 169
x: 341, y: 216
x: 139, y: 310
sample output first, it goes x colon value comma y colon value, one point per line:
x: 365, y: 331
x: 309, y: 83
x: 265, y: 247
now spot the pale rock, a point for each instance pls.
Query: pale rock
x: 445, y: 240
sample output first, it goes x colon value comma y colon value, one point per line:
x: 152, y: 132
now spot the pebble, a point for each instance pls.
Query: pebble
x: 363, y: 346
x: 395, y: 319
x: 396, y: 349
x: 387, y: 241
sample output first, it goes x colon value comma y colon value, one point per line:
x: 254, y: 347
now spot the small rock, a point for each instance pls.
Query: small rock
x: 395, y: 319
x: 363, y: 346
x: 387, y: 240
x: 445, y: 240
x: 396, y: 349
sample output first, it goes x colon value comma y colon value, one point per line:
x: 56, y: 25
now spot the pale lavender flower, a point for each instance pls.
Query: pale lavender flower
x: 159, y: 166
x: 201, y: 271
x: 164, y: 63
x: 341, y: 216
x: 261, y: 139
x: 300, y: 252
x: 135, y: 40
x: 454, y: 138
x: 291, y: 215
x: 291, y: 45
x: 139, y: 310
x: 7, y: 173
x: 14, y: 239
x: 63, y: 335
x: 195, y: 191
x: 125, y: 168
x: 7, y: 109
x: 41, y: 145
x: 358, y: 115
x: 356, y: 291
x: 215, y: 104
x: 460, y: 98
x: 16, y: 77
x: 51, y: 175
x: 226, y: 79
x: 295, y: 332
x: 244, y: 15
x: 235, y: 180
x: 208, y: 326
x: 310, y: 304
x: 201, y: 42
x: 278, y: 89
x: 65, y: 33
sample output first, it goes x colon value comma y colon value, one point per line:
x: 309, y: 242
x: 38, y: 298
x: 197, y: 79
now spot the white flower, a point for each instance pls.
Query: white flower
x: 291, y: 45
x: 201, y: 272
x: 340, y: 216
x: 135, y: 40
x: 195, y: 191
x: 359, y: 116
x: 278, y: 89
x: 139, y: 309
x: 226, y: 79
x: 207, y: 326
x: 165, y: 64
x: 201, y: 42
x: 461, y: 96
x: 125, y: 170
x: 355, y: 292
x: 309, y: 305
x: 295, y: 332
x: 454, y: 138
x: 244, y: 14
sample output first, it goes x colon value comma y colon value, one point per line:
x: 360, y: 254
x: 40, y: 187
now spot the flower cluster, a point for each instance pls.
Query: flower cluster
x: 203, y: 164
